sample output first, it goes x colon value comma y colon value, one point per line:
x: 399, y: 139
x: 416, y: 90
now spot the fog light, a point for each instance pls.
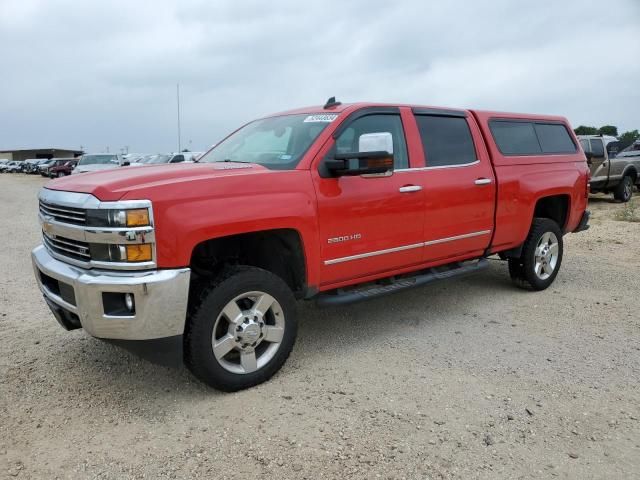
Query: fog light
x: 118, y: 304
x: 128, y: 301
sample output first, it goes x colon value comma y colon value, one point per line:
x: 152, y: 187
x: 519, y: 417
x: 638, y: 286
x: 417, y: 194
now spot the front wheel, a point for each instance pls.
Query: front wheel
x: 541, y: 256
x: 241, y: 329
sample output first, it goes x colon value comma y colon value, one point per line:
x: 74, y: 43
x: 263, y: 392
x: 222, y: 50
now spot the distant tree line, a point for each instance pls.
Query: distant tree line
x: 626, y: 139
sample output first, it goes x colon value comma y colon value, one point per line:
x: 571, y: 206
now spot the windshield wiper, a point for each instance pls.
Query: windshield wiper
x: 228, y: 160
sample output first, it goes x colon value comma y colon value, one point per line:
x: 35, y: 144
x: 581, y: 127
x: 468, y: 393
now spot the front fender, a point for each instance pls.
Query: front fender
x: 200, y: 210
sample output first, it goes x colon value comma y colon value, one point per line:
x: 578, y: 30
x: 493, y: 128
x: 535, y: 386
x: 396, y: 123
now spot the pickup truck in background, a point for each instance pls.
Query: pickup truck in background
x: 63, y: 168
x: 337, y: 203
x: 611, y: 171
x: 96, y: 162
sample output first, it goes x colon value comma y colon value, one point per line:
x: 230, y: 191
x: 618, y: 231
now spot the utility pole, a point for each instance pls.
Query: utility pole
x: 178, y: 98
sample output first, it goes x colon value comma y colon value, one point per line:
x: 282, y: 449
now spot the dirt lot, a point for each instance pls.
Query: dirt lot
x: 466, y: 379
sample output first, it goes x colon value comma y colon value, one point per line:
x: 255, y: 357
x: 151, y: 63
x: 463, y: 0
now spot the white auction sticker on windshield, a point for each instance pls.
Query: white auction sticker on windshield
x: 321, y: 118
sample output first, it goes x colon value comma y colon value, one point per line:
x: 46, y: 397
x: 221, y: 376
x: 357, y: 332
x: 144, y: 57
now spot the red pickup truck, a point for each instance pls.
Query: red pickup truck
x: 337, y: 202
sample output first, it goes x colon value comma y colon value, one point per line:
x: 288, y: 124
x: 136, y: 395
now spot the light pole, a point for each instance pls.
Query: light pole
x: 178, y: 100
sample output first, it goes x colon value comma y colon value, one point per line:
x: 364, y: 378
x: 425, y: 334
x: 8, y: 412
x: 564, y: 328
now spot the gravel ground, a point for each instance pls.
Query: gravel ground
x: 471, y: 378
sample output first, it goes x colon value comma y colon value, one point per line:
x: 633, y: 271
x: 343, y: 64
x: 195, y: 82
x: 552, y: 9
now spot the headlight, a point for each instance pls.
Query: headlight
x: 138, y: 217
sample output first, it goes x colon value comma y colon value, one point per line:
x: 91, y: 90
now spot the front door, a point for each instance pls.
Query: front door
x: 370, y: 224
x: 598, y: 164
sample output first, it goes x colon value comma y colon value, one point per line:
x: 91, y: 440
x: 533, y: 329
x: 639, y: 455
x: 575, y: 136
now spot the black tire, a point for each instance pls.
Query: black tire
x: 523, y: 270
x: 206, y: 307
x: 624, y: 190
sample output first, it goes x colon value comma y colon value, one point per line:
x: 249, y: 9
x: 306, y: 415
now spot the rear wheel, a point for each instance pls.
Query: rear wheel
x: 241, y: 329
x: 541, y: 256
x: 624, y: 190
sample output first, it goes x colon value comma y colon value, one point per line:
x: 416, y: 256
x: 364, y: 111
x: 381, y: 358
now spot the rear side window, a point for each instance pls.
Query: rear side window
x: 515, y: 138
x: 554, y: 138
x: 531, y: 138
x: 446, y: 140
x: 597, y: 148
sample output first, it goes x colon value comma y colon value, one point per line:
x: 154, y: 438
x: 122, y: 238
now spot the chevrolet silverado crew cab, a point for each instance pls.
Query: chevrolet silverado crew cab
x: 611, y: 172
x: 337, y: 203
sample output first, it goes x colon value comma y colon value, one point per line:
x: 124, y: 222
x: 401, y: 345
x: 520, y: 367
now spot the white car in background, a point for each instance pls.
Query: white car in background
x: 94, y: 162
x: 182, y: 157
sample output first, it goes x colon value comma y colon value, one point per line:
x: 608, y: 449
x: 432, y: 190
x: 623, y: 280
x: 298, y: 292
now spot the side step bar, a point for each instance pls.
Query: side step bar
x: 458, y: 269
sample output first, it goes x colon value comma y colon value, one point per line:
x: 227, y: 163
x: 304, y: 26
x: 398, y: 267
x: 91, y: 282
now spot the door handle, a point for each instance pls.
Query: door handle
x: 410, y: 188
x: 482, y: 181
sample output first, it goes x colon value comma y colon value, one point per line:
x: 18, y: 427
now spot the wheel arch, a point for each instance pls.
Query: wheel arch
x: 630, y: 170
x: 280, y: 251
x: 555, y: 207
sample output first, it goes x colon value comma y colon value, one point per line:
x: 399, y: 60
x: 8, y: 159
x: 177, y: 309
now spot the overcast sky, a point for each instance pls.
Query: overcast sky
x: 104, y: 74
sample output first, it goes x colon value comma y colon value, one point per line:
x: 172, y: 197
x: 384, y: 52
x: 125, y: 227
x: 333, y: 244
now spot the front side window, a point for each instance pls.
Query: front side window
x: 446, y: 140
x: 277, y: 143
x: 584, y: 143
x: 349, y: 139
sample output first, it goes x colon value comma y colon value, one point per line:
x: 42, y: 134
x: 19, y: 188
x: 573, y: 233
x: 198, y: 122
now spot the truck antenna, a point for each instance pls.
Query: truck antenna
x: 331, y: 103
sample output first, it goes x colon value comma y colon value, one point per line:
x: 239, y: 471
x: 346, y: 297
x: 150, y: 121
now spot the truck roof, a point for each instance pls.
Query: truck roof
x: 486, y: 114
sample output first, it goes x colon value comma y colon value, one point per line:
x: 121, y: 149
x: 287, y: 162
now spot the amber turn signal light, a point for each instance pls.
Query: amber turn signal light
x: 138, y: 217
x: 139, y: 253
x: 380, y: 162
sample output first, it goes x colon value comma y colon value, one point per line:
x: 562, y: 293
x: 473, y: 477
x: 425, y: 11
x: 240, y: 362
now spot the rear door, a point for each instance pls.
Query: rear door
x: 459, y: 186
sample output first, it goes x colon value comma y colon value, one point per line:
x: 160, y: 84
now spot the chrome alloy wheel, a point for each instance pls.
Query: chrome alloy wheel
x: 248, y: 332
x: 546, y: 255
x: 628, y: 188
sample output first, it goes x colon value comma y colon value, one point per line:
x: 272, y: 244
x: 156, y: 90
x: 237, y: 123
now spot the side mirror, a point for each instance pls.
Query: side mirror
x: 374, y: 156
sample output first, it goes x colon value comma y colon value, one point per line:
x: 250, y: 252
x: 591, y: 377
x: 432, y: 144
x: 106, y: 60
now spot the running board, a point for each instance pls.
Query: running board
x: 458, y: 269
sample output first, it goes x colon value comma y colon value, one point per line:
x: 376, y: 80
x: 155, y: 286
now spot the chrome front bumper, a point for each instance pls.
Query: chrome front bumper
x: 160, y: 298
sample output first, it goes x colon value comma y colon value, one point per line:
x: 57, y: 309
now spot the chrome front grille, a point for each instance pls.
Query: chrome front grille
x: 67, y: 247
x: 79, y: 229
x: 75, y: 216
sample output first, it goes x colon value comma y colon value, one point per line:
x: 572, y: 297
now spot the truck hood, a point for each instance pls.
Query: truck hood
x: 114, y: 183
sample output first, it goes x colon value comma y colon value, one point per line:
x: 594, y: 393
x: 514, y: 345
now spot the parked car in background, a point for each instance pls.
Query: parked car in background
x: 164, y: 158
x: 34, y: 169
x: 62, y: 169
x: 44, y: 167
x: 134, y: 157
x: 29, y: 164
x: 14, y: 166
x: 3, y: 163
x: 611, y: 171
x: 94, y: 162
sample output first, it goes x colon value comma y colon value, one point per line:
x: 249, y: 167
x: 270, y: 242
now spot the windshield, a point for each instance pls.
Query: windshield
x: 277, y: 142
x: 156, y: 159
x: 98, y: 159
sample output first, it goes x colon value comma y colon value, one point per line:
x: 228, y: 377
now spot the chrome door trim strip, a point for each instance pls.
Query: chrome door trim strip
x: 419, y: 169
x: 373, y: 254
x: 405, y: 247
x: 457, y: 237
